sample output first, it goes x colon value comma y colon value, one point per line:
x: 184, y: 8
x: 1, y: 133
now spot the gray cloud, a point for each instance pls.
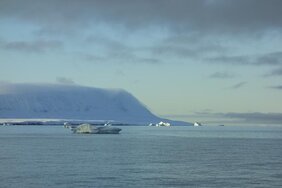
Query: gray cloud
x: 64, y: 80
x: 91, y: 58
x: 233, y: 60
x: 256, y: 117
x: 182, y: 52
x: 186, y: 46
x: 274, y: 58
x: 234, y: 118
x: 119, y: 57
x: 275, y: 72
x: 108, y: 44
x: 221, y: 75
x: 148, y: 60
x: 117, y: 51
x: 187, y: 22
x: 278, y: 87
x: 33, y: 46
x: 199, y: 15
x: 120, y: 73
x: 269, y: 59
x: 238, y: 85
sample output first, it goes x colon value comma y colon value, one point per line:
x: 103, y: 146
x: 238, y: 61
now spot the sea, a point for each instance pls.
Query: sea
x: 141, y: 156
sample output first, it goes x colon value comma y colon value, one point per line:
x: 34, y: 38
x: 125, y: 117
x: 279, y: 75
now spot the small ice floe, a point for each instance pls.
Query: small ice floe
x: 68, y: 125
x: 163, y: 124
x: 196, y: 124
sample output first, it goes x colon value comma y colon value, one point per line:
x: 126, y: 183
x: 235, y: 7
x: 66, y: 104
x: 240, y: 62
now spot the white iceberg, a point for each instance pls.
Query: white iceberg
x: 164, y: 124
x: 196, y: 124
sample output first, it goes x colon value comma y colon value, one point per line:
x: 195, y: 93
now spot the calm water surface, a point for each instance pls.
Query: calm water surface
x: 51, y: 156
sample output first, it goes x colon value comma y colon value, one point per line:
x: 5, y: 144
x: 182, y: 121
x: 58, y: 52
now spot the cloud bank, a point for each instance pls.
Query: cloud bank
x: 235, y: 118
x: 199, y: 15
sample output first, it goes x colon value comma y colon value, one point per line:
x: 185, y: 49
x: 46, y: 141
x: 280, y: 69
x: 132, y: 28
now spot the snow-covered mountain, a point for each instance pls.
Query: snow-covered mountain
x: 57, y: 101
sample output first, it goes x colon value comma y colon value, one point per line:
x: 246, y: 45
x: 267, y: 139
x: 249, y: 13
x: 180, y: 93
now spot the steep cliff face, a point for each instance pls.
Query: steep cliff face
x: 71, y: 102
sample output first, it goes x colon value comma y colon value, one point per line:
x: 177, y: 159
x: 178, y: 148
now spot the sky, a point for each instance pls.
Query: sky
x: 213, y: 61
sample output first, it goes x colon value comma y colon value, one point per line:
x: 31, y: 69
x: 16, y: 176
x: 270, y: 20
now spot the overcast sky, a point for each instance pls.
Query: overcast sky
x: 185, y: 59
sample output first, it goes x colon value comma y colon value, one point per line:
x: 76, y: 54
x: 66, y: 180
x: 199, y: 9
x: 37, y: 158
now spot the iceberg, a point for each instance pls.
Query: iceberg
x: 91, y: 129
x: 163, y: 124
x: 196, y: 124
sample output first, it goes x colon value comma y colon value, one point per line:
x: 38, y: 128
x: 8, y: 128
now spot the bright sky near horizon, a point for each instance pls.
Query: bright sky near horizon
x: 193, y: 60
